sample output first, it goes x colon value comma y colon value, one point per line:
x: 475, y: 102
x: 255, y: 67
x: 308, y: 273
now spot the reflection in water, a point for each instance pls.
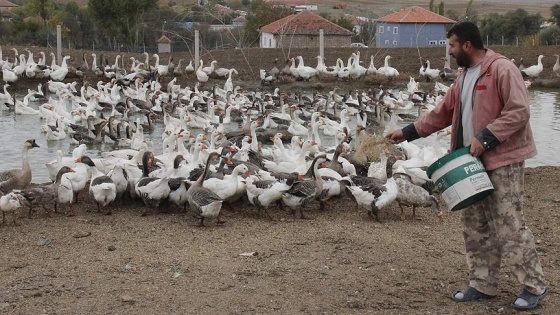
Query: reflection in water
x: 545, y: 121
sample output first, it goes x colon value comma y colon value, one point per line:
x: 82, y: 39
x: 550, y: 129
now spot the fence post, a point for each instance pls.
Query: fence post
x: 59, y: 44
x: 322, y: 44
x: 196, y: 48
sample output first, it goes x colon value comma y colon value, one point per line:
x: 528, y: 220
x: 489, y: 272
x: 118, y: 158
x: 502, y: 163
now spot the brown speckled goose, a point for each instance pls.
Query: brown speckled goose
x: 18, y: 178
x: 205, y: 203
x: 43, y: 194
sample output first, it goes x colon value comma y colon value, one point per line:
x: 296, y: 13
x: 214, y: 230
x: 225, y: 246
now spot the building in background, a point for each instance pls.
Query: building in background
x: 412, y: 27
x: 302, y: 30
x: 5, y: 9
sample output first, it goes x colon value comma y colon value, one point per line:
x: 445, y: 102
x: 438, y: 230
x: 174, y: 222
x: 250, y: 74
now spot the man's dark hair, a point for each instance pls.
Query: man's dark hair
x: 466, y: 32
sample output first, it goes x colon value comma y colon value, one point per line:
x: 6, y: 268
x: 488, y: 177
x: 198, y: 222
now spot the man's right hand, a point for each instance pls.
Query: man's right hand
x: 396, y: 136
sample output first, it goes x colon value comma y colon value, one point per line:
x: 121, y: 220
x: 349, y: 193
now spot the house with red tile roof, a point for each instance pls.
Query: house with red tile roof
x: 302, y: 30
x: 5, y: 7
x: 412, y: 27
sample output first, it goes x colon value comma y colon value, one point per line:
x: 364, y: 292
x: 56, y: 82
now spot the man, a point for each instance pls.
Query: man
x: 488, y: 110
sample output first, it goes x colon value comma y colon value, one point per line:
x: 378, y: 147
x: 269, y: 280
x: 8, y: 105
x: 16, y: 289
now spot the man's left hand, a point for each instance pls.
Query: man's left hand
x: 476, y: 148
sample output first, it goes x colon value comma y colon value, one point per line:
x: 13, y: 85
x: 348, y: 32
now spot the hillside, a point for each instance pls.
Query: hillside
x: 383, y: 7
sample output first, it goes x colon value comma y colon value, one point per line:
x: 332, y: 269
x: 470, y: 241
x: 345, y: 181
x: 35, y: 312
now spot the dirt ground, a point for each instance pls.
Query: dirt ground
x: 339, y: 262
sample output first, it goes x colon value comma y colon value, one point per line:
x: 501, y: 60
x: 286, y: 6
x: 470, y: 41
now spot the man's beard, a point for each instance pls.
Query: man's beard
x: 462, y: 59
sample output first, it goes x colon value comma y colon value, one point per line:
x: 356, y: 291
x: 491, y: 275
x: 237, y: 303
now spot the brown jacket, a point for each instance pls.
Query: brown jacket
x: 500, y: 113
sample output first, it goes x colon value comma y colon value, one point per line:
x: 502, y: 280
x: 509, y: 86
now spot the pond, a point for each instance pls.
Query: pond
x: 545, y: 122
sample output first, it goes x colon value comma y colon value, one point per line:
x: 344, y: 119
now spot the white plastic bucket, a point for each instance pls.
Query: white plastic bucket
x: 461, y: 179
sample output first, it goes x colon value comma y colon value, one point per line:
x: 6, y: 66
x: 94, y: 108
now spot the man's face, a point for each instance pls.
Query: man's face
x: 457, y: 51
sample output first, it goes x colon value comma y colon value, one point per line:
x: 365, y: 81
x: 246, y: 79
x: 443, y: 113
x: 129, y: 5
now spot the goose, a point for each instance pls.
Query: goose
x: 6, y: 97
x: 22, y: 108
x: 228, y: 188
x: 371, y: 69
x: 101, y: 187
x: 152, y: 190
x: 266, y: 77
x: 208, y: 70
x: 556, y: 67
x: 534, y: 70
x: 374, y: 197
x: 387, y: 70
x: 201, y: 76
x: 65, y: 193
x: 54, y: 165
x: 264, y: 192
x: 228, y: 86
x: 43, y: 194
x: 189, y: 68
x: 205, y: 203
x: 119, y: 176
x: 18, y: 178
x: 9, y: 76
x: 431, y: 74
x: 302, y: 192
x: 448, y: 73
x: 60, y: 74
x: 162, y: 70
x: 303, y: 71
x: 10, y: 203
x: 410, y: 194
x: 78, y: 179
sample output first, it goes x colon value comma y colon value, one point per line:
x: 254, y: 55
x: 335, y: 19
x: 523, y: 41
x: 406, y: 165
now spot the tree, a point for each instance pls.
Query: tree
x: 441, y: 8
x: 345, y: 23
x: 42, y: 8
x: 509, y: 26
x: 470, y: 13
x: 431, y: 6
x: 550, y: 35
x: 120, y: 17
x: 261, y: 14
x: 555, y: 13
x: 452, y: 14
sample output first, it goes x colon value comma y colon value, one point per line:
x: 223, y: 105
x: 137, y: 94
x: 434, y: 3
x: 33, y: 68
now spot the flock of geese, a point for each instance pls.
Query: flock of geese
x: 221, y: 145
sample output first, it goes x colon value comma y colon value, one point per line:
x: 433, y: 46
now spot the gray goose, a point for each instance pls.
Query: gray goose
x: 18, y: 178
x: 302, y: 192
x: 203, y: 201
x: 44, y: 194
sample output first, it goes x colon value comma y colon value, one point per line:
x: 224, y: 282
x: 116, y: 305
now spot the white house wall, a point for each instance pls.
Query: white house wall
x: 268, y: 40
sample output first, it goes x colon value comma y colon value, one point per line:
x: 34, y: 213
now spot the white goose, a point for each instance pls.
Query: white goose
x: 101, y: 187
x: 556, y: 67
x: 534, y: 70
x: 431, y: 73
x: 374, y: 198
x: 263, y: 193
x: 201, y: 76
x: 60, y: 74
x: 228, y: 187
x: 387, y: 70
x: 305, y: 72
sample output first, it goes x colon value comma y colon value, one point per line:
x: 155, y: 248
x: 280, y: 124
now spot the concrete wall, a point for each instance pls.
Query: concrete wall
x: 410, y: 35
x: 302, y: 41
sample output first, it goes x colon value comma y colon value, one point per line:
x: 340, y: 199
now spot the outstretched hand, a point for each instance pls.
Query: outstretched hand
x: 396, y: 136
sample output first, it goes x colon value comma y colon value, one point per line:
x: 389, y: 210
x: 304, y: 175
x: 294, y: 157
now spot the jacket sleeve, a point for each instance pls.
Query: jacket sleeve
x: 440, y: 117
x: 515, y: 113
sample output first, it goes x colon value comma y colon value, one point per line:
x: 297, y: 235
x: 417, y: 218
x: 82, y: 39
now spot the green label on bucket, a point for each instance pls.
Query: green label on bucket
x: 459, y: 173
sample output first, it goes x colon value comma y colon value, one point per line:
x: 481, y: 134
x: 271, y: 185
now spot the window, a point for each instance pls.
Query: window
x: 442, y: 42
x: 386, y: 42
x: 381, y: 30
x: 394, y: 43
x: 395, y: 30
x: 433, y: 42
